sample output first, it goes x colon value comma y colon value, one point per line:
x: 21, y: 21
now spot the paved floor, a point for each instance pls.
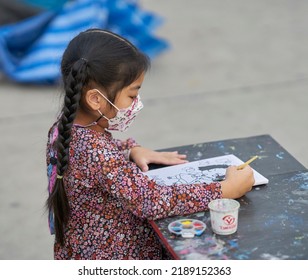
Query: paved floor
x: 235, y: 69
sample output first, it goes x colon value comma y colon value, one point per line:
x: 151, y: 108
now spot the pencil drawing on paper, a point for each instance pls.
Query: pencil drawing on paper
x: 201, y: 171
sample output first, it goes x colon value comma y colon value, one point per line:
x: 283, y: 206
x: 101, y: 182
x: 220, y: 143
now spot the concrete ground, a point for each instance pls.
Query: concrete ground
x: 235, y: 69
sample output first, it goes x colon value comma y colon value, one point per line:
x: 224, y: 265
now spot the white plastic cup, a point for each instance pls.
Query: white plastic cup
x: 224, y: 215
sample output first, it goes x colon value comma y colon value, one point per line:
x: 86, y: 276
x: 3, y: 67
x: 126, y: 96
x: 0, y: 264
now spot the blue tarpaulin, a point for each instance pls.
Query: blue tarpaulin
x: 31, y: 50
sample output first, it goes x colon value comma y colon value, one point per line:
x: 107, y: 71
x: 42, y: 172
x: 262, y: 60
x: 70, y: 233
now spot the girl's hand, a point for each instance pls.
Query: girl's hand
x: 237, y: 182
x: 143, y: 156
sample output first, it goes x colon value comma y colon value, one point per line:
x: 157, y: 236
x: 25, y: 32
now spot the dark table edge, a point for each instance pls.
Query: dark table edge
x: 164, y: 241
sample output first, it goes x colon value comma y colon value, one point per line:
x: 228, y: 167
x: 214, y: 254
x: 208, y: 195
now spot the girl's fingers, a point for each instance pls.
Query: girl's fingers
x: 176, y: 154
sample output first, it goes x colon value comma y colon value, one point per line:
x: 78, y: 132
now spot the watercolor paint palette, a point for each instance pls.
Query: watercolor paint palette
x: 187, y: 228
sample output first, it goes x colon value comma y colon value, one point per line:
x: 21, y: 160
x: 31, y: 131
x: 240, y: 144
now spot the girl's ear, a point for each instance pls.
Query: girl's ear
x: 93, y: 99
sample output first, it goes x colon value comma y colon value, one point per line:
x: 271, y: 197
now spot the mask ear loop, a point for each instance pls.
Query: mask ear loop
x: 95, y: 122
x: 101, y: 116
x: 106, y: 100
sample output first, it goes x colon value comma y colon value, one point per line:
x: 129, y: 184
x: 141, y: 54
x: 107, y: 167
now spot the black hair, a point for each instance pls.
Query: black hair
x: 111, y: 62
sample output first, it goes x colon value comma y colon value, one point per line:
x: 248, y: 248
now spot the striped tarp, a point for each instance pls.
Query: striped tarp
x: 31, y: 50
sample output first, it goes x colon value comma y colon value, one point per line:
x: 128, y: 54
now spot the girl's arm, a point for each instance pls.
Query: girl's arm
x: 146, y: 199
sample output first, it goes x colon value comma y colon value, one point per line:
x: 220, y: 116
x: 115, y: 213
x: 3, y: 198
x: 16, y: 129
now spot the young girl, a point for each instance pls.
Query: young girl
x: 99, y: 199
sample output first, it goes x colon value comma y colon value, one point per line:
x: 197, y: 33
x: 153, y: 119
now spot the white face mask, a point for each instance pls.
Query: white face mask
x: 124, y: 117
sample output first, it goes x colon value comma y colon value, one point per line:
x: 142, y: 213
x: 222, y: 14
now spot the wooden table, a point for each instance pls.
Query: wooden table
x: 273, y: 218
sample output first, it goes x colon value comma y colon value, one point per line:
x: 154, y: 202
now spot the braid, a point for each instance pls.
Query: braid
x: 58, y: 202
x: 73, y: 90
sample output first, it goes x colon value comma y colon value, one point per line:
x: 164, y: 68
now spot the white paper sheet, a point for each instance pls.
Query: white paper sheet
x: 201, y: 171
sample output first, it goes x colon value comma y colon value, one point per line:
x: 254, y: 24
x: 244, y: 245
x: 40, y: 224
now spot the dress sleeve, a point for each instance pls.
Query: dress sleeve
x: 145, y: 198
x: 125, y: 145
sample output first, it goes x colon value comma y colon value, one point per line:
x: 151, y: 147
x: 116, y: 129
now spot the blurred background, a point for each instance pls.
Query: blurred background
x: 229, y: 69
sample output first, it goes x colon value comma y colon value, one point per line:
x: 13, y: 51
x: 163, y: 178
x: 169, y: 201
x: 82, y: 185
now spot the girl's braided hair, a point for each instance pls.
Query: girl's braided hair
x: 93, y: 56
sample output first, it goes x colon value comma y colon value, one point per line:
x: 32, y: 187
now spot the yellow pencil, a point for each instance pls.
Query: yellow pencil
x: 246, y: 163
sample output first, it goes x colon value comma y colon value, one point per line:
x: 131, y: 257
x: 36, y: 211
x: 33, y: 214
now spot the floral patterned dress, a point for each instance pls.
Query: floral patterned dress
x: 111, y: 200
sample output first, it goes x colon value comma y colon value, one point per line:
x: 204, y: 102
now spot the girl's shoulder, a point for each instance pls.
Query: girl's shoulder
x: 88, y: 146
x: 88, y: 137
x: 88, y: 132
